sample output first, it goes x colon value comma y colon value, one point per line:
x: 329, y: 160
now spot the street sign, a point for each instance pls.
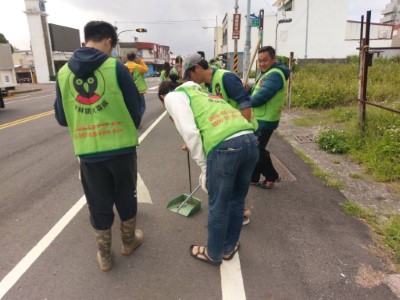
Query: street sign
x: 261, y: 18
x: 255, y: 22
x: 236, y: 27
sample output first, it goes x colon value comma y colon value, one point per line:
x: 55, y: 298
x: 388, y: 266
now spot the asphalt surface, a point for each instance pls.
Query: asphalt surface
x: 299, y: 244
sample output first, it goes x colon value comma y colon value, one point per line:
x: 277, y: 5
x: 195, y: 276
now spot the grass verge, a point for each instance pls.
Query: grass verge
x: 327, y: 179
x: 388, y: 233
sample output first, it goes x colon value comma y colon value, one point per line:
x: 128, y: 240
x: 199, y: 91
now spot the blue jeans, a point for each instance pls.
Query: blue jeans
x: 142, y: 105
x: 229, y: 168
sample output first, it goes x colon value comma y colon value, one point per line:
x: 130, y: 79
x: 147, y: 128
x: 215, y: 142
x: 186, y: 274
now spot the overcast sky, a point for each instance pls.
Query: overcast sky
x: 184, y: 35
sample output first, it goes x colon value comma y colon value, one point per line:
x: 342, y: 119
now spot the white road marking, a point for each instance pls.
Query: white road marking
x: 232, y: 280
x: 143, y: 136
x: 15, y: 274
x: 12, y: 277
x: 153, y: 88
x: 29, y: 99
x: 143, y: 194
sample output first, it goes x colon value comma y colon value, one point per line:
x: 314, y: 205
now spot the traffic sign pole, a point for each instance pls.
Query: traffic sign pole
x: 236, y: 21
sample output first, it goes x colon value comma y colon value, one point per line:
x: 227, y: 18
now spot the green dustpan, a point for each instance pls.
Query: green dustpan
x: 185, y: 205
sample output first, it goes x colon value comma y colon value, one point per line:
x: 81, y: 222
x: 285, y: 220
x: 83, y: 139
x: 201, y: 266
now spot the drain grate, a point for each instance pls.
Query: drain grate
x: 305, y: 138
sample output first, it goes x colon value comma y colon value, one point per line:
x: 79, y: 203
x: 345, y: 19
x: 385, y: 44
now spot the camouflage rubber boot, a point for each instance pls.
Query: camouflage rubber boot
x: 131, y: 238
x: 104, y: 255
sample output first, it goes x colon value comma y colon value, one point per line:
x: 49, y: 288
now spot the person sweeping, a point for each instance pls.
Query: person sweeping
x: 224, y: 146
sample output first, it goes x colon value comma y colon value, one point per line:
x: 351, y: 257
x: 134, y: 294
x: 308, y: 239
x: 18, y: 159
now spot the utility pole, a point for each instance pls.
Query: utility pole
x: 216, y: 51
x: 305, y: 52
x: 235, y: 45
x: 246, y: 60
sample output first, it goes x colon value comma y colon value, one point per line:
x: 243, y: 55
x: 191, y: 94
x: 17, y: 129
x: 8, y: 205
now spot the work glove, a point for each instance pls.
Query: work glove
x: 203, y: 181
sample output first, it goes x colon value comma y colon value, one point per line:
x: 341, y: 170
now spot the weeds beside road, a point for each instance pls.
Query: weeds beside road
x: 364, y: 166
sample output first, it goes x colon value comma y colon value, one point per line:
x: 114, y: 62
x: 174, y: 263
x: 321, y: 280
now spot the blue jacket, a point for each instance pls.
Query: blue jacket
x: 271, y: 85
x: 83, y: 62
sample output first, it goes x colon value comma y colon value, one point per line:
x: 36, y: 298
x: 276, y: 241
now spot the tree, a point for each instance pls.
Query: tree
x: 3, y: 40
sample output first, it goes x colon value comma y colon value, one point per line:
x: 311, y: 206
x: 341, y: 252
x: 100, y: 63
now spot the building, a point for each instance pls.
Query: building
x: 381, y: 35
x: 154, y: 55
x: 24, y: 64
x: 295, y: 27
x: 40, y: 40
x: 224, y: 44
x: 391, y: 13
x: 317, y: 28
x: 309, y: 29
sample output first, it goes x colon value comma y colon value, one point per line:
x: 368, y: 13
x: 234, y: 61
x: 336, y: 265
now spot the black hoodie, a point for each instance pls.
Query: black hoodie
x: 83, y: 63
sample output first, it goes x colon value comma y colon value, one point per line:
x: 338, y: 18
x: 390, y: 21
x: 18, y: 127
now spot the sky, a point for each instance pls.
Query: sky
x: 184, y: 34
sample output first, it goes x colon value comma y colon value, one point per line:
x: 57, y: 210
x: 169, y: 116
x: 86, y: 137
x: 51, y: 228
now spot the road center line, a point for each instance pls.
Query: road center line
x: 15, y: 274
x: 27, y: 119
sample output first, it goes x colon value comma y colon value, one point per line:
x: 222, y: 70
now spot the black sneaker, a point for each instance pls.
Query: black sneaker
x: 266, y: 184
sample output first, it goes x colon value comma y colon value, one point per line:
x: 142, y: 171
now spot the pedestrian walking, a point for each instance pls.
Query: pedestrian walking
x: 177, y: 68
x: 223, y: 144
x: 228, y: 86
x: 138, y: 68
x: 165, y: 72
x: 97, y: 99
x: 267, y: 99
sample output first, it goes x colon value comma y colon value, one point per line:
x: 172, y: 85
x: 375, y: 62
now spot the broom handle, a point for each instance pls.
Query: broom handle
x: 190, y: 173
x: 251, y: 61
x: 188, y: 198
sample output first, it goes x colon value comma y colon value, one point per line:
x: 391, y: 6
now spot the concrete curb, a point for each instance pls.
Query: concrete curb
x: 393, y: 281
x: 11, y: 93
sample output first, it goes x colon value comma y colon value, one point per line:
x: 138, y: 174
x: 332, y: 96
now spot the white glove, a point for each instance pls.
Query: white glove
x: 203, y: 181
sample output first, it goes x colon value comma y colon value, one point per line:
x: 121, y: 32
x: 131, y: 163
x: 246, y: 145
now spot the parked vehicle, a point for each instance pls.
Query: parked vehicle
x: 8, y: 79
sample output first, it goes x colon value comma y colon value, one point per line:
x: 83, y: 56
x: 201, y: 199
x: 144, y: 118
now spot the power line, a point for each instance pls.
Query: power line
x: 165, y: 22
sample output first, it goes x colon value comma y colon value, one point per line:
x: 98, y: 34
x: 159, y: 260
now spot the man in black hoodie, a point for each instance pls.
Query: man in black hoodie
x: 98, y: 101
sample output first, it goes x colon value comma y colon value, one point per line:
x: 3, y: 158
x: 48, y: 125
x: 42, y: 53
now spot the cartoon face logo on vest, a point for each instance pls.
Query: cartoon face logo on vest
x: 218, y: 89
x: 86, y: 89
x: 88, y: 93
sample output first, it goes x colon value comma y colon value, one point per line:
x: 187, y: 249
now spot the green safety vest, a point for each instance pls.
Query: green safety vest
x: 98, y: 119
x: 214, y: 117
x: 139, y: 80
x: 163, y: 78
x: 217, y: 88
x: 215, y: 65
x: 174, y: 71
x: 271, y: 110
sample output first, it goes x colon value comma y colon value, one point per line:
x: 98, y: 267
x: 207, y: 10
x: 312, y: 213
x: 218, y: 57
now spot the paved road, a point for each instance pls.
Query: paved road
x: 299, y: 244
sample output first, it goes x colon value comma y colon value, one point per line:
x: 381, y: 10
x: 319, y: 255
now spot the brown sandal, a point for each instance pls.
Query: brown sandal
x: 232, y: 254
x: 202, y: 256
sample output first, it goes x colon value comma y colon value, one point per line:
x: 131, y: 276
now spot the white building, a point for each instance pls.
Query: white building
x: 317, y: 29
x: 381, y: 35
x: 40, y: 39
x: 391, y: 13
x: 224, y: 43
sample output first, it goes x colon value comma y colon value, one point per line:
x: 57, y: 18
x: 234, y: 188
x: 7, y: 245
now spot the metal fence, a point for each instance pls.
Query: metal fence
x: 365, y: 61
